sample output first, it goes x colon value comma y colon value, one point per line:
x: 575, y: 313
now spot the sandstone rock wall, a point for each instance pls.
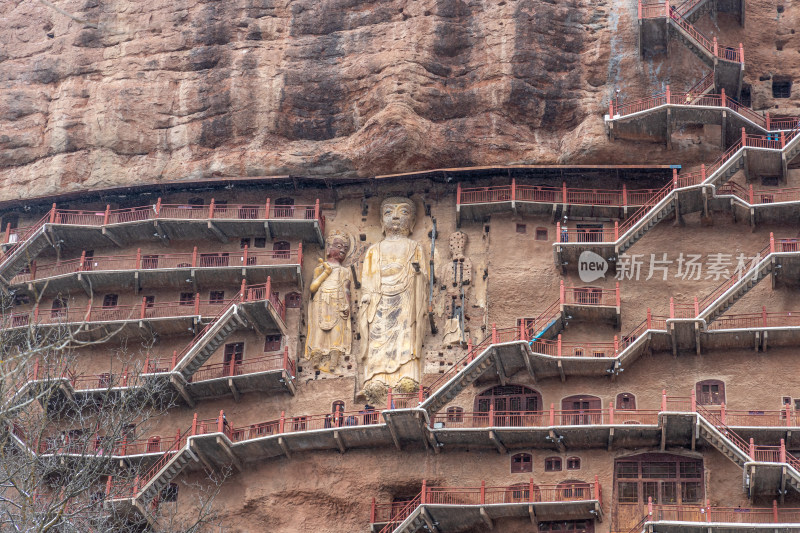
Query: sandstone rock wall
x: 123, y: 91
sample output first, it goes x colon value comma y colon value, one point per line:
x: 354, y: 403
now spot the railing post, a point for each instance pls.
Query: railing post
x: 649, y: 318
x: 783, y: 140
x: 421, y: 394
x: 703, y: 172
x: 458, y: 196
x: 513, y: 191
x: 744, y: 138
x: 530, y: 490
x: 563, y: 192
x: 242, y: 290
x: 668, y: 91
x: 158, y: 207
x: 522, y: 331
x: 616, y: 345
x: 663, y: 400
x: 552, y: 414
x: 611, y: 413
x: 696, y: 307
x: 422, y: 499
x: 771, y: 242
x: 596, y: 492
x: 674, y: 178
x: 611, y: 100
x: 694, y: 401
x: 144, y: 306
x: 389, y: 399
x: 108, y: 486
x: 211, y: 207
x: 82, y: 264
x: 266, y: 206
x: 282, y: 422
x: 671, y: 307
x: 708, y: 511
x: 300, y: 254
x: 783, y: 451
x: 106, y: 215
x: 194, y: 257
x: 53, y: 214
x: 558, y: 232
x: 741, y: 53
x: 469, y: 349
x: 722, y: 413
x: 750, y: 195
x: 716, y: 50
x: 562, y: 293
x: 174, y: 359
x: 775, y: 511
x: 146, y: 367
x: 316, y: 209
x: 616, y: 230
x: 650, y: 506
x: 788, y: 409
x: 336, y: 414
x: 494, y: 334
x: 372, y: 512
x: 558, y: 345
x: 286, y: 358
x: 491, y: 415
x: 752, y: 449
x: 618, y: 300
x: 483, y: 492
x: 138, y: 258
x: 724, y: 98
x: 194, y: 424
x: 624, y: 195
x: 766, y: 118
x: 244, y: 255
x: 197, y: 303
x: 220, y: 418
x: 764, y: 315
x: 268, y: 289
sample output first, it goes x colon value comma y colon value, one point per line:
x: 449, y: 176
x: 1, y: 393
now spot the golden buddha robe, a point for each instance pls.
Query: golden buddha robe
x: 393, y: 319
x: 329, y: 329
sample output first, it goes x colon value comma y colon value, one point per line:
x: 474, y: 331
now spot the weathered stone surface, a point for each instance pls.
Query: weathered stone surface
x: 130, y: 91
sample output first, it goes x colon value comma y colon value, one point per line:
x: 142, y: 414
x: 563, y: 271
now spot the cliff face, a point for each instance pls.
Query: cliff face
x: 124, y: 91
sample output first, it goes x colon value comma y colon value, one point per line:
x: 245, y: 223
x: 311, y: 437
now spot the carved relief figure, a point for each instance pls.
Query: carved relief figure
x: 457, y: 277
x: 393, y: 303
x: 330, y: 332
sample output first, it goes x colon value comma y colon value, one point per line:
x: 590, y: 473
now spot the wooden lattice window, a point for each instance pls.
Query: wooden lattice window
x: 552, y: 464
x: 272, y: 343
x: 626, y: 401
x: 293, y: 300
x: 521, y: 463
x: 573, y: 463
x: 710, y: 392
x: 216, y: 297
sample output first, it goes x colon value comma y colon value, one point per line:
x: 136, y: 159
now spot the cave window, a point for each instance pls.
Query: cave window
x: 522, y: 228
x: 573, y: 463
x: 110, y: 301
x: 455, y: 414
x: 781, y: 88
x: 552, y: 464
x: 13, y: 220
x: 745, y: 98
x: 272, y: 343
x: 197, y: 202
x: 626, y: 401
x: 541, y: 234
x: 293, y: 300
x: 710, y: 392
x: 521, y: 463
x: 187, y: 298
x: 216, y: 297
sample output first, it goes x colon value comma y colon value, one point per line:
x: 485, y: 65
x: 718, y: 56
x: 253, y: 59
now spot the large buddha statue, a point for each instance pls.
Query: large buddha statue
x: 393, y: 303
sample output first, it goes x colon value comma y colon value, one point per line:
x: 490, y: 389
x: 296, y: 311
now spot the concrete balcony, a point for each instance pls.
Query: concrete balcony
x: 161, y: 270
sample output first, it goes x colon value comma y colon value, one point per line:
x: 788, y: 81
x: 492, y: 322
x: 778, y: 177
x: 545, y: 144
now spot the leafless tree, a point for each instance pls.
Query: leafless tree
x: 59, y: 445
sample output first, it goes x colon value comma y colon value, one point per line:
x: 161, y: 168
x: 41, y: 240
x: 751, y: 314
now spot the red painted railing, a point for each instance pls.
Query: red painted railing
x: 159, y: 210
x: 529, y: 492
x: 267, y: 363
x: 245, y: 258
x: 554, y: 195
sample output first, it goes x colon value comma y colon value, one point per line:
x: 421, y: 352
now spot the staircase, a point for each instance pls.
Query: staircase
x: 692, y: 10
x: 651, y: 214
x: 165, y: 475
x: 453, y: 387
x: 207, y: 341
x: 20, y: 256
x: 734, y: 289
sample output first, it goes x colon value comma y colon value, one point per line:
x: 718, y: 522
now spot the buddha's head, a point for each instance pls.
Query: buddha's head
x: 398, y: 215
x: 338, y: 246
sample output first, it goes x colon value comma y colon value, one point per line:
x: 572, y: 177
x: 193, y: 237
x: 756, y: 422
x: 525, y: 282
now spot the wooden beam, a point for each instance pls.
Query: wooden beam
x: 558, y: 442
x: 217, y: 232
x: 486, y: 518
x: 161, y: 233
x: 532, y: 513
x: 339, y: 441
x: 561, y: 371
x: 610, y: 438
x: 111, y: 237
x: 85, y: 285
x: 501, y: 371
x: 392, y: 430
x: 182, y: 391
x: 528, y: 364
x: 234, y: 390
x: 497, y: 442
x: 227, y: 450
x: 284, y: 447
